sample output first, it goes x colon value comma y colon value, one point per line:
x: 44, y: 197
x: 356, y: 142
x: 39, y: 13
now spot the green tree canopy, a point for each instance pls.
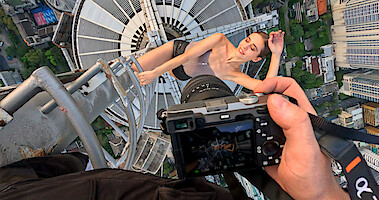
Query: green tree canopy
x: 11, y: 51
x: 55, y: 56
x: 305, y: 79
x: 34, y: 58
x: 297, y: 31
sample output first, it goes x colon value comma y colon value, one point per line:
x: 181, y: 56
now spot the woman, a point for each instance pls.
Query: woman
x: 214, y: 55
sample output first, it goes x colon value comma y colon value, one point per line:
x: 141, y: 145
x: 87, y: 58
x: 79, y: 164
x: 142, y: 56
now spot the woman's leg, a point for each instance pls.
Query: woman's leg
x: 155, y: 57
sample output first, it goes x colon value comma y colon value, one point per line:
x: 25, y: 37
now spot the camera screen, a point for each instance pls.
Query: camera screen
x: 220, y: 148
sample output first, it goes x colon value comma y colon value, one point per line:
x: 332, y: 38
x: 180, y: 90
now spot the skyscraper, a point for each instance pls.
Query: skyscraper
x: 355, y: 33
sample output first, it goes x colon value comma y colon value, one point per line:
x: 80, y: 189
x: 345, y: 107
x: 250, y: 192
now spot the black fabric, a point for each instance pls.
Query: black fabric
x: 48, y: 182
x: 179, y: 48
x: 42, y: 167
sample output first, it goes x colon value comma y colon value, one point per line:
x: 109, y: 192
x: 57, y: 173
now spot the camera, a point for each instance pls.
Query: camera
x: 213, y: 131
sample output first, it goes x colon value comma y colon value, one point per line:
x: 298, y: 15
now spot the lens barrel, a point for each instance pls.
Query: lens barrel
x: 204, y: 87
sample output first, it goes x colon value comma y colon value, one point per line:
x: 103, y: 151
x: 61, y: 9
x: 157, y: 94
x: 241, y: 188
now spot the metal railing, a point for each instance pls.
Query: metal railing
x: 44, y: 80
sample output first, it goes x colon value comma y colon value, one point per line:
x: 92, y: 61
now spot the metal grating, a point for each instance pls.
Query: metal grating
x: 215, y: 8
x: 88, y: 45
x: 177, y: 3
x: 228, y: 17
x: 127, y: 7
x: 89, y: 60
x: 199, y: 5
x: 91, y: 29
x: 137, y: 5
x: 112, y: 8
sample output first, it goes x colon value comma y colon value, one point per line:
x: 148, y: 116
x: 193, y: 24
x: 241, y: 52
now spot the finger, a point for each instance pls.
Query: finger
x: 270, y: 39
x: 271, y: 36
x: 287, y: 86
x: 293, y: 120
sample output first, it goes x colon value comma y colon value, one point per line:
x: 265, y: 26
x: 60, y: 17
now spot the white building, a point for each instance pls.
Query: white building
x: 364, y: 85
x: 355, y: 33
x: 323, y: 64
x: 357, y: 114
x: 327, y: 63
x: 346, y: 119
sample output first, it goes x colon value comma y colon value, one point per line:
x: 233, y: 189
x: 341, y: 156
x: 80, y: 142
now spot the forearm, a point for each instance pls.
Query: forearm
x: 171, y: 64
x: 274, y: 66
x: 245, y: 80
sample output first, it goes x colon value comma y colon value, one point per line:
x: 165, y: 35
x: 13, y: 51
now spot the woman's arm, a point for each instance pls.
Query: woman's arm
x: 242, y: 79
x: 274, y: 66
x: 199, y: 49
x: 275, y: 43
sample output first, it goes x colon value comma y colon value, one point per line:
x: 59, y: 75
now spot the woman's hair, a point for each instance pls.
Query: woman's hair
x: 266, y: 49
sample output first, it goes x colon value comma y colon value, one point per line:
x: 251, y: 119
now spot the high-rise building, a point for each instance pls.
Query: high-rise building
x: 371, y: 113
x: 355, y: 33
x: 364, y: 85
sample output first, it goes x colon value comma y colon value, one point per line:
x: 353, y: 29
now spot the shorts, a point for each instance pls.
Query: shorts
x: 179, y: 48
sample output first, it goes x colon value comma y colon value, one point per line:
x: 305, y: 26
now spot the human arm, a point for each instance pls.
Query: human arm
x: 304, y: 171
x: 242, y: 79
x: 275, y: 43
x: 197, y: 50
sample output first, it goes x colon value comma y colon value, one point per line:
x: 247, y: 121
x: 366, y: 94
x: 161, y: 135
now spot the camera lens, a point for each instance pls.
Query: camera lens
x: 204, y: 87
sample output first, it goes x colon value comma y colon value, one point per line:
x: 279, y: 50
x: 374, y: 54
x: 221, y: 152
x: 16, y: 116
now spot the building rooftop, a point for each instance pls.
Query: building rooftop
x: 322, y: 7
x: 328, y: 50
x: 315, y: 66
x: 27, y: 28
x: 344, y: 115
x: 371, y: 104
x: 371, y: 129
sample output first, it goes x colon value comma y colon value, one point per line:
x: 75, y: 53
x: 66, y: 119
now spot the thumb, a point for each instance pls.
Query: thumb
x: 292, y: 119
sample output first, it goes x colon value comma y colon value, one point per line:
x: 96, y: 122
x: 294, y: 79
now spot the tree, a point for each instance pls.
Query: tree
x: 293, y: 22
x: 339, y: 77
x: 35, y: 58
x: 297, y: 31
x: 11, y: 51
x: 55, y: 56
x: 26, y: 71
x: 13, y: 38
x: 305, y: 79
x: 289, y: 39
x: 296, y: 50
x: 22, y: 49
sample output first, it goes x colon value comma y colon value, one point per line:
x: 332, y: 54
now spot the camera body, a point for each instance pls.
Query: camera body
x: 223, y: 135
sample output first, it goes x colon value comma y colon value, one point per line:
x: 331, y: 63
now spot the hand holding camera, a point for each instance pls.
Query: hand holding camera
x: 214, y: 132
x: 303, y: 166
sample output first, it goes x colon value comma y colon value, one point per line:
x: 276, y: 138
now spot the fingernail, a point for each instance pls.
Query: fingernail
x: 279, y: 102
